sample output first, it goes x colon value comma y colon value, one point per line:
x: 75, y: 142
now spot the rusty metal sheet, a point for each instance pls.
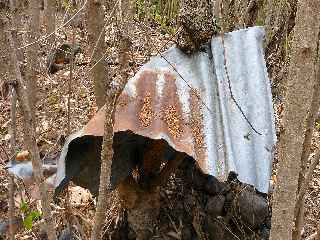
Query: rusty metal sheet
x: 186, y: 100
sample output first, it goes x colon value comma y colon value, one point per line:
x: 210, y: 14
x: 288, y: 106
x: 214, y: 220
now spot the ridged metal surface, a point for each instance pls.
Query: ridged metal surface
x: 189, y: 104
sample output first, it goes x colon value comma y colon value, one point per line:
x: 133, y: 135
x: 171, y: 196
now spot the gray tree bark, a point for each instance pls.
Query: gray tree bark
x: 4, y: 76
x: 50, y: 16
x: 32, y: 54
x: 298, y: 101
x: 299, y: 209
x: 95, y: 20
x: 30, y: 139
x: 4, y: 58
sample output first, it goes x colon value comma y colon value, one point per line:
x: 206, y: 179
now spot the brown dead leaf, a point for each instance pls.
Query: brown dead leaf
x: 4, y: 89
x: 23, y: 156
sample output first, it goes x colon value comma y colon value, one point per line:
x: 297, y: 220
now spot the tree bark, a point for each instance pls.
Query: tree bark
x: 17, y: 9
x: 4, y: 58
x: 32, y: 54
x: 299, y: 89
x: 30, y: 139
x: 95, y: 19
x: 13, y: 132
x: 318, y: 231
x: 50, y: 14
x: 106, y: 160
x: 104, y: 94
x: 5, y: 75
x: 315, y: 105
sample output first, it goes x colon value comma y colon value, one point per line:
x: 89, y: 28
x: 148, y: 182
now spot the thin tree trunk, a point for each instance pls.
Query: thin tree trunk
x: 95, y: 19
x: 30, y: 139
x: 32, y: 54
x: 4, y: 58
x: 107, y: 151
x: 299, y: 209
x: 300, y: 88
x: 318, y: 231
x: 17, y: 12
x: 104, y: 94
x: 106, y: 160
x: 13, y: 133
x: 50, y: 20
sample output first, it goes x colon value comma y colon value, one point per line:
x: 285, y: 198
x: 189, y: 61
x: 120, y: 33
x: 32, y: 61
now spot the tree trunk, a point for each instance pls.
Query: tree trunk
x: 95, y: 19
x: 17, y: 10
x: 104, y: 94
x: 106, y: 160
x: 4, y: 76
x: 50, y: 16
x: 315, y: 105
x: 30, y: 139
x: 4, y: 58
x: 299, y: 89
x: 32, y: 54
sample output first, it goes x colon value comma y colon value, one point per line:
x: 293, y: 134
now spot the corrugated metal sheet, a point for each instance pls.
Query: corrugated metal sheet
x: 189, y: 104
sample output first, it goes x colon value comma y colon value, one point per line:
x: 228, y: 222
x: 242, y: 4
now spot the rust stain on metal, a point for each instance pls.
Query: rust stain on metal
x: 153, y: 113
x: 146, y: 113
x: 196, y: 125
x: 146, y: 99
x: 171, y: 107
x: 123, y: 100
x: 172, y: 120
x: 95, y: 126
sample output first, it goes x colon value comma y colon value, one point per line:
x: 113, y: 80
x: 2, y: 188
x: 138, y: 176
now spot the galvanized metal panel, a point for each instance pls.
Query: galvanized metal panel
x: 187, y: 101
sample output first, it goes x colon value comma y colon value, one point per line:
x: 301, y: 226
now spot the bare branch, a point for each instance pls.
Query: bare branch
x: 57, y: 29
x: 13, y: 129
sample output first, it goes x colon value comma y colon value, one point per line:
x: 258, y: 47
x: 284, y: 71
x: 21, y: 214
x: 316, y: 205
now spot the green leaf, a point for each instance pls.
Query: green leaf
x: 35, y: 215
x: 24, y: 207
x: 27, y: 222
x: 30, y: 218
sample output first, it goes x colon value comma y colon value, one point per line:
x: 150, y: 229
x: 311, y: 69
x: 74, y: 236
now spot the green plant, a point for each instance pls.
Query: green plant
x: 162, y: 12
x: 30, y: 215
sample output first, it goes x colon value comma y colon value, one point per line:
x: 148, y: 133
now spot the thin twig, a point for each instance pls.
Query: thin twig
x: 228, y: 78
x: 69, y: 88
x: 54, y: 42
x: 102, y: 31
x: 68, y: 212
x: 13, y: 129
x: 50, y: 34
x: 188, y: 84
x: 176, y: 70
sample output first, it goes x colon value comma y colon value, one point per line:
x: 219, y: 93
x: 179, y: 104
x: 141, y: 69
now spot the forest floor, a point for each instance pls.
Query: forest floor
x: 52, y: 123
